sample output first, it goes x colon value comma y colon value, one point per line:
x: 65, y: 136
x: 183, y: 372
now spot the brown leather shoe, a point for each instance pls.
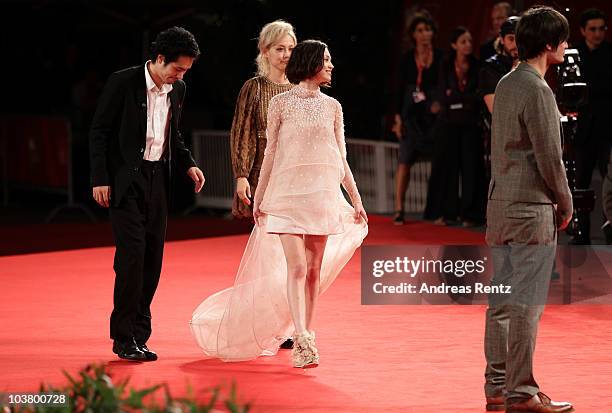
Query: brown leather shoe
x: 496, y: 403
x: 540, y: 403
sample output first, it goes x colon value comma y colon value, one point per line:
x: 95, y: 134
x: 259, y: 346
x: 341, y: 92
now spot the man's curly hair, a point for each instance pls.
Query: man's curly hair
x: 173, y: 43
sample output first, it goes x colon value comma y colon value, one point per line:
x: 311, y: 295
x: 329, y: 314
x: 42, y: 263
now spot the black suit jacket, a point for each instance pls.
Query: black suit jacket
x: 117, y: 138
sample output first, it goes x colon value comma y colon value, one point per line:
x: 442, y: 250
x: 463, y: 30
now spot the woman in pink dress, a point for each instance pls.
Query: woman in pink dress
x: 306, y: 231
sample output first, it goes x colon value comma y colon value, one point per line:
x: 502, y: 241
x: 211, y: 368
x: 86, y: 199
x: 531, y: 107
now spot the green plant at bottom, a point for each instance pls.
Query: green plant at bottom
x: 93, y: 391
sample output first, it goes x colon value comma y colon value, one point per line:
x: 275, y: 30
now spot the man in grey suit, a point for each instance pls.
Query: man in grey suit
x: 529, y: 200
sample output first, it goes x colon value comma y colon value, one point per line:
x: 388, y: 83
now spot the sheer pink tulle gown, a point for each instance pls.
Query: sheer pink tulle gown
x: 299, y: 192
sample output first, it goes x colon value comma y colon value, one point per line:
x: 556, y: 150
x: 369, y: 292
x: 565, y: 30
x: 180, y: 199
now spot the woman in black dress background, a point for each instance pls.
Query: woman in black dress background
x: 458, y: 145
x: 416, y: 109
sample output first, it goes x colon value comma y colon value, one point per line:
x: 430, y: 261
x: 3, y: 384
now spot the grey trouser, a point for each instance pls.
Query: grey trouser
x: 523, y: 241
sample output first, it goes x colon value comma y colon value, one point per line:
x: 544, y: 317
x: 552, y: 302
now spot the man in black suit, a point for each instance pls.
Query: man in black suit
x: 136, y: 149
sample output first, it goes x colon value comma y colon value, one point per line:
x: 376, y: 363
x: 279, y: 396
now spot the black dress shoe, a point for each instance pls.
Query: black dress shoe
x: 128, y: 350
x: 149, y: 355
x: 287, y: 344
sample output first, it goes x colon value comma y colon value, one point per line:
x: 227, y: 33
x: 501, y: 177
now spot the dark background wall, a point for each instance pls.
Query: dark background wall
x: 58, y: 54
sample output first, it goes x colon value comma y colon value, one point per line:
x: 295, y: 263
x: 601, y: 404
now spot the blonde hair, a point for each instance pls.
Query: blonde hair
x: 270, y: 34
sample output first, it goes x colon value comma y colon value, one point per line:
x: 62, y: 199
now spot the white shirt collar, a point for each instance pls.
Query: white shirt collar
x: 166, y: 88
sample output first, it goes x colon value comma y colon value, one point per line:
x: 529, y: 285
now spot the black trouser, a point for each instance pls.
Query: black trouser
x: 139, y: 229
x: 458, y: 154
x: 592, y: 152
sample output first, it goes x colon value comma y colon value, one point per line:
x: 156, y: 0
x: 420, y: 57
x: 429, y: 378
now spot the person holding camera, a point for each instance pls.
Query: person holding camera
x: 593, y: 136
x: 491, y: 71
x: 497, y: 66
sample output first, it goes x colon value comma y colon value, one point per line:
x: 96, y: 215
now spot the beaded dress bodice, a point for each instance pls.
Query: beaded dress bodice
x: 305, y: 161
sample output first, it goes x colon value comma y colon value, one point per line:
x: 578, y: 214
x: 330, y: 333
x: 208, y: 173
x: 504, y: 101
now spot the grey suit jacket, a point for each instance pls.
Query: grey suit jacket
x: 606, y: 192
x: 526, y: 156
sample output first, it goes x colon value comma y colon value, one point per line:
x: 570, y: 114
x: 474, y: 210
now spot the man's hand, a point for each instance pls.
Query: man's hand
x: 197, y: 176
x: 563, y: 218
x: 243, y: 190
x: 102, y: 195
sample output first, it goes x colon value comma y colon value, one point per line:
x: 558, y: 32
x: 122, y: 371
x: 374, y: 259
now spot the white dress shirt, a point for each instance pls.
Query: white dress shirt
x: 158, y: 117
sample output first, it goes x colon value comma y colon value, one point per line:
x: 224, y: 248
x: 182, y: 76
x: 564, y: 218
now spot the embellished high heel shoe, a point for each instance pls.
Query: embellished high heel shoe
x: 304, y: 354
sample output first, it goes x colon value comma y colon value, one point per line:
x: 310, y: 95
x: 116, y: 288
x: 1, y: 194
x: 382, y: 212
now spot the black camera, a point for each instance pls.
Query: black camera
x: 572, y: 89
x: 572, y: 94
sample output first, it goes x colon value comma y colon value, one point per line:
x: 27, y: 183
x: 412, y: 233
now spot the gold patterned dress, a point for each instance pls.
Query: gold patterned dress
x: 248, y: 134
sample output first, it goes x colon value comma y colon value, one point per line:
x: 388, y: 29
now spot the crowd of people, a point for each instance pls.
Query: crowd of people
x: 444, y: 106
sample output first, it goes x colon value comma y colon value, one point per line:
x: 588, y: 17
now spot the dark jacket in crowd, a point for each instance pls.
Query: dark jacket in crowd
x: 420, y: 112
x: 458, y: 106
x: 596, y: 66
x: 491, y: 71
x: 415, y: 108
x: 487, y: 50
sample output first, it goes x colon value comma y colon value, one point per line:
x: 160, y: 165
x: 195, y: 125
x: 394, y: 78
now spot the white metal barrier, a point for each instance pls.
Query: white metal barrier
x: 373, y: 164
x: 211, y: 150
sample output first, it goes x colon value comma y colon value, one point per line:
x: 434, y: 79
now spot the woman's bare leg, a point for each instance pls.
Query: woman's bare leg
x: 315, y: 247
x: 295, y: 255
x: 402, y: 178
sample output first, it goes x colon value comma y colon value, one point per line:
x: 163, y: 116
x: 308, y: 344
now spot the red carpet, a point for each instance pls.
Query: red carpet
x: 55, y: 306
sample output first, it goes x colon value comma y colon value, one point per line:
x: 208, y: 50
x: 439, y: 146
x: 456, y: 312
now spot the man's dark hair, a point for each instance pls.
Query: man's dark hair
x: 173, y: 43
x: 306, y: 60
x: 422, y: 16
x: 539, y: 27
x: 507, y: 28
x: 591, y: 14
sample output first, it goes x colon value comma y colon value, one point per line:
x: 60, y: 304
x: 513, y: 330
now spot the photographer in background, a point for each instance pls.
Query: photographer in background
x: 498, y: 65
x: 593, y: 135
x: 491, y: 71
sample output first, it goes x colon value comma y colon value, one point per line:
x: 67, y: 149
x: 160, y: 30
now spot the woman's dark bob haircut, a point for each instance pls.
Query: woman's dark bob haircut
x: 306, y: 60
x: 539, y: 27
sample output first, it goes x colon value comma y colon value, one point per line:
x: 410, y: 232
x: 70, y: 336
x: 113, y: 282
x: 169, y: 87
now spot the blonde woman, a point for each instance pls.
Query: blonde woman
x: 247, y: 137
